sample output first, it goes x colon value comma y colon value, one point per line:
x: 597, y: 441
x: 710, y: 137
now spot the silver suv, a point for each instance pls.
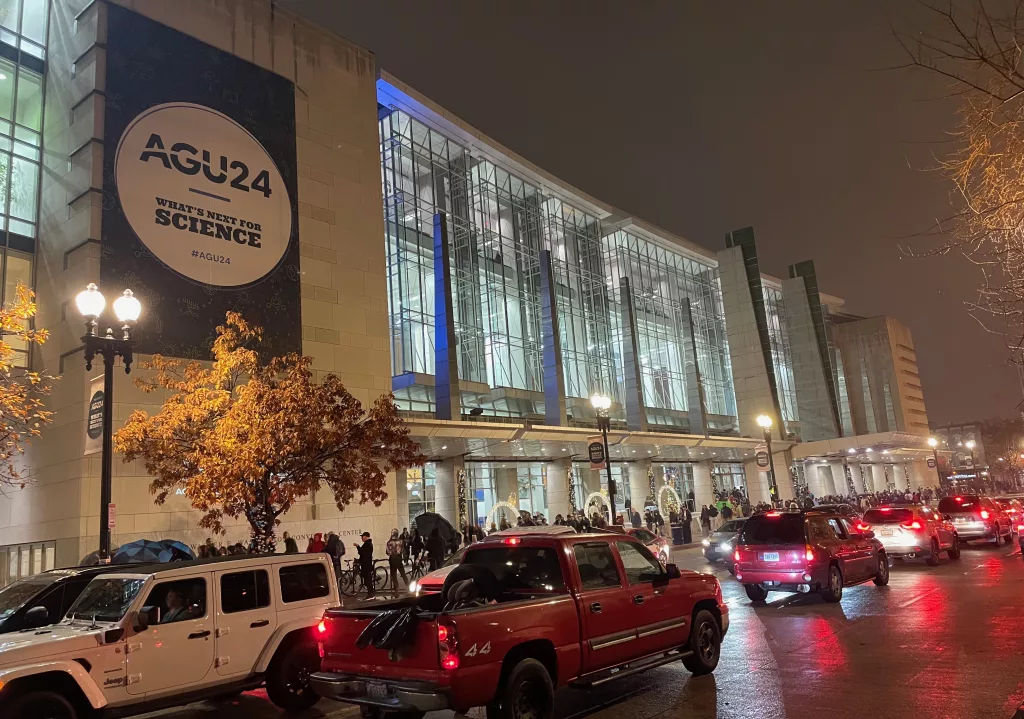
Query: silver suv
x: 913, y: 530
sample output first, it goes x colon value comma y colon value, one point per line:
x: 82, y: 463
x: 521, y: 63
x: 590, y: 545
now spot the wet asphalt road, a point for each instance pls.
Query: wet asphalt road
x: 937, y: 642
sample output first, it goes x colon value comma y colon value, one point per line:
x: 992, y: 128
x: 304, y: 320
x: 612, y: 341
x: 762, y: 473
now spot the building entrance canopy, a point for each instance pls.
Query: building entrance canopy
x: 883, y: 447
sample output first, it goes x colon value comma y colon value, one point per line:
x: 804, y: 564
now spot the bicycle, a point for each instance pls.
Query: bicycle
x: 419, y: 568
x: 351, y: 583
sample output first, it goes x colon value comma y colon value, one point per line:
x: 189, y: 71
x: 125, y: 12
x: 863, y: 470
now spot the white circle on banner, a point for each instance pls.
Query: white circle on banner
x: 203, y: 194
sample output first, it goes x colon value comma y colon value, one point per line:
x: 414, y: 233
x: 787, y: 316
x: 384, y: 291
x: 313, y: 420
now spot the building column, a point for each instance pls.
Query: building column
x: 814, y: 474
x: 858, y: 477
x: 506, y: 483
x: 878, y: 477
x: 558, y: 488
x: 757, y: 483
x: 783, y: 477
x: 837, y: 485
x: 922, y: 476
x: 901, y: 477
x: 703, y: 487
x: 639, y: 484
x: 401, y: 498
x: 445, y: 492
x: 448, y: 398
x: 554, y: 378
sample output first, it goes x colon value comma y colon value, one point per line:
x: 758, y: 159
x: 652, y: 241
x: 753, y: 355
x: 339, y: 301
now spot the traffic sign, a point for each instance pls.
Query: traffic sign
x: 111, y: 515
x: 762, y: 459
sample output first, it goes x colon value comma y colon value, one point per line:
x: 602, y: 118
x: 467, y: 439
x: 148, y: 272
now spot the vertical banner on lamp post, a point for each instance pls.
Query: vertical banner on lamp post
x: 595, y: 450
x: 94, y: 417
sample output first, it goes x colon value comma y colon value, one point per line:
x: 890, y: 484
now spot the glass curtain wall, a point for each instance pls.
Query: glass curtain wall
x: 489, y: 483
x: 420, y: 484
x: 782, y: 356
x: 574, y: 240
x: 727, y: 476
x: 680, y: 478
x: 660, y: 280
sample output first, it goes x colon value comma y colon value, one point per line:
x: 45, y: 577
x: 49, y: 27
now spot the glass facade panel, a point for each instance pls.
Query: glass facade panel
x: 419, y: 486
x: 782, y: 355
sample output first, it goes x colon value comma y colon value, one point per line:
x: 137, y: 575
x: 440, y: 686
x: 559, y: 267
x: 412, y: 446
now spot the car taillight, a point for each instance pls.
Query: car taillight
x: 911, y: 525
x: 809, y: 553
x: 985, y: 514
x: 861, y: 527
x: 1020, y: 527
x: 447, y: 646
x: 321, y: 635
x: 321, y: 628
x: 736, y: 555
x: 511, y: 540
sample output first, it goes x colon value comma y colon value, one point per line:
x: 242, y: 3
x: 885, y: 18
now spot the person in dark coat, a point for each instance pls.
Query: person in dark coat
x: 417, y: 544
x: 435, y: 549
x: 635, y: 519
x: 686, y: 519
x: 290, y: 546
x: 366, y: 563
x: 335, y: 550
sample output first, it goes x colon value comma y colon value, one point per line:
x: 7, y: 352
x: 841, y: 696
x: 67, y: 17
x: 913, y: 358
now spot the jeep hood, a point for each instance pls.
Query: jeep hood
x: 48, y: 643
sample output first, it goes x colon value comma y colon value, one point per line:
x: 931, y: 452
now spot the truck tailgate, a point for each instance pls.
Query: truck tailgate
x: 418, y: 661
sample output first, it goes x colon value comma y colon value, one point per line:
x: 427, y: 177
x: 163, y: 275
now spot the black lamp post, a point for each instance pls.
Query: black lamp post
x: 602, y: 403
x: 766, y: 424
x: 91, y: 303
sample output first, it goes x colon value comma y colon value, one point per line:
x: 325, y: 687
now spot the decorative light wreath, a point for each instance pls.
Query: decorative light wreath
x: 492, y: 516
x: 601, y: 499
x: 673, y: 500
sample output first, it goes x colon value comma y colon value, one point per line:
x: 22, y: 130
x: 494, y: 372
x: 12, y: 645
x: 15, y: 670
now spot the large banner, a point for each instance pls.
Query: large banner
x: 200, y: 211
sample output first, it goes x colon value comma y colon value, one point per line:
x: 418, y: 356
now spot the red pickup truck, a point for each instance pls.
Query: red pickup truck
x: 579, y: 609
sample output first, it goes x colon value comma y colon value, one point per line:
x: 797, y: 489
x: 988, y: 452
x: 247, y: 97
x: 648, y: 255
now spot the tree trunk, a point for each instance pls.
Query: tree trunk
x: 261, y: 518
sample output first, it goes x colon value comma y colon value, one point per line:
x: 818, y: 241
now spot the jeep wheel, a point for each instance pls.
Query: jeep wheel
x: 834, y: 591
x: 527, y: 693
x: 40, y: 705
x: 705, y: 643
x: 288, y: 675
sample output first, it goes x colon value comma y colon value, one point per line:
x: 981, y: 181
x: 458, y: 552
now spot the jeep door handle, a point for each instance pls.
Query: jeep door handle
x: 260, y: 623
x: 595, y: 607
x: 638, y: 599
x: 199, y: 635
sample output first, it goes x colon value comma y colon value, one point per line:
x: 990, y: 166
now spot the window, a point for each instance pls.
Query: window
x: 888, y: 516
x: 244, y: 591
x: 780, y: 529
x: 643, y: 535
x: 179, y: 601
x: 520, y: 568
x: 818, y: 530
x: 303, y: 581
x: 638, y: 562
x: 53, y: 601
x: 837, y: 527
x: 597, y: 565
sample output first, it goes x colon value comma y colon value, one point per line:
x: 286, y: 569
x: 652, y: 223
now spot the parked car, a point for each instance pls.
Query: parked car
x: 432, y: 582
x: 152, y: 636
x: 721, y: 544
x: 809, y: 551
x: 1013, y: 508
x: 913, y: 530
x: 43, y: 599
x: 541, y: 611
x: 977, y: 517
x: 659, y: 546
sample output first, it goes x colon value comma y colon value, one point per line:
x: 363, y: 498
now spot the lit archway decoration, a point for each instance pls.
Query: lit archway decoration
x: 492, y: 516
x: 599, y: 499
x: 673, y: 499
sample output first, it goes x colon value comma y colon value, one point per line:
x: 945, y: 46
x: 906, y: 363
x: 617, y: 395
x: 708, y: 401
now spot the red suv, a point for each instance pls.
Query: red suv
x: 809, y: 551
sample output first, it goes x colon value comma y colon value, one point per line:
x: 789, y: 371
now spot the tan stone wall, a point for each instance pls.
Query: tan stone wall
x: 344, y: 306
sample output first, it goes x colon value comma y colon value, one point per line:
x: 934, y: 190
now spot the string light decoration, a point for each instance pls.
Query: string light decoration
x: 460, y: 484
x: 570, y: 489
x: 651, y: 483
x: 674, y: 500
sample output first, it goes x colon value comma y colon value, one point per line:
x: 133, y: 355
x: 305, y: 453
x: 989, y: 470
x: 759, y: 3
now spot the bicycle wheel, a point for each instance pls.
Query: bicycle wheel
x: 380, y: 579
x: 347, y: 583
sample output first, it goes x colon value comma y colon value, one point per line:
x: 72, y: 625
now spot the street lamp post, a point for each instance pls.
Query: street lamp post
x: 934, y: 444
x: 602, y: 403
x: 974, y: 464
x: 766, y: 424
x: 127, y: 308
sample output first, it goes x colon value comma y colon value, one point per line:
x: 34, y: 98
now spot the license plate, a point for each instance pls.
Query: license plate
x: 959, y: 520
x: 377, y: 691
x: 886, y: 532
x: 770, y: 557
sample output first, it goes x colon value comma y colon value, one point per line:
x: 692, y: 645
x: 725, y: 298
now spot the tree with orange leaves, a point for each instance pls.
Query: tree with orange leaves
x: 22, y: 412
x: 251, y: 437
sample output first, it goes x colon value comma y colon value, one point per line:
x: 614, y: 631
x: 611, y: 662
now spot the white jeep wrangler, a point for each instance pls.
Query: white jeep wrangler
x: 145, y: 638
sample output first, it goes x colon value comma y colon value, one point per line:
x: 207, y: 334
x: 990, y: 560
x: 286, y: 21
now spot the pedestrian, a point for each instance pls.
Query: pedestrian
x: 335, y: 549
x: 317, y: 544
x: 705, y: 519
x: 686, y: 519
x: 435, y: 549
x: 406, y: 538
x: 417, y: 544
x: 726, y: 512
x: 366, y: 563
x: 290, y: 545
x: 635, y: 519
x: 395, y: 549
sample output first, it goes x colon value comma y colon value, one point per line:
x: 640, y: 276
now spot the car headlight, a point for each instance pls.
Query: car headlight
x: 706, y: 542
x: 413, y: 587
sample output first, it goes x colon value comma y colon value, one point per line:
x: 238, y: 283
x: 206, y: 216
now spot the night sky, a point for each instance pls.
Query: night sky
x: 706, y: 117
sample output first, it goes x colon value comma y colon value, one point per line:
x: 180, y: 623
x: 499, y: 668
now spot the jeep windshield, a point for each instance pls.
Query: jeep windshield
x: 106, y: 599
x: 14, y: 596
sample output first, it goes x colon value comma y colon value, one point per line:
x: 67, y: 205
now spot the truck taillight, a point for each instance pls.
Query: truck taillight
x: 321, y: 635
x: 809, y: 553
x: 447, y: 646
x: 736, y: 555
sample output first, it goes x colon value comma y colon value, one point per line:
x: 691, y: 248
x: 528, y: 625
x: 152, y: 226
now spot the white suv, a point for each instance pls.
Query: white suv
x: 154, y: 636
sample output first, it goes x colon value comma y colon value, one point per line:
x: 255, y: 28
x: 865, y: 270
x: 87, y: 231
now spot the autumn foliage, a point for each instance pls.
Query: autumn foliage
x: 250, y: 438
x: 22, y: 413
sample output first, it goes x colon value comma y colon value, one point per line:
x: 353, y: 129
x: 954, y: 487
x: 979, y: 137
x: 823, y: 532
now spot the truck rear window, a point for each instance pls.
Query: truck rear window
x: 773, y: 528
x: 969, y: 503
x: 888, y: 516
x: 520, y: 568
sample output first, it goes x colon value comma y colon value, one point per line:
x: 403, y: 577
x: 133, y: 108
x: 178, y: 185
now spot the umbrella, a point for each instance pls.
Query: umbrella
x: 180, y: 552
x: 142, y: 550
x: 93, y: 558
x: 428, y: 520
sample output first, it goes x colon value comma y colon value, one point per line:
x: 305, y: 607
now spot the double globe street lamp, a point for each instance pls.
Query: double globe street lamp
x: 127, y: 308
x: 602, y: 404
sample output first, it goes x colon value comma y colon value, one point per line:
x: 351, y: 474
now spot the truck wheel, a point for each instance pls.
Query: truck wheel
x: 705, y: 643
x: 882, y: 575
x: 834, y: 591
x: 40, y: 705
x: 288, y: 675
x: 755, y: 592
x: 527, y: 693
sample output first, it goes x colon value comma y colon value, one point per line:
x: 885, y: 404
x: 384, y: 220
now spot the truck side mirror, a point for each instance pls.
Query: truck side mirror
x: 673, y: 571
x: 37, y: 617
x: 147, y: 617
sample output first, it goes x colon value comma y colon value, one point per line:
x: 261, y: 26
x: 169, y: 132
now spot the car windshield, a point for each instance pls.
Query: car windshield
x: 731, y: 527
x: 106, y: 599
x: 958, y: 505
x: 889, y: 515
x: 519, y: 568
x: 773, y: 528
x: 455, y: 558
x: 14, y: 596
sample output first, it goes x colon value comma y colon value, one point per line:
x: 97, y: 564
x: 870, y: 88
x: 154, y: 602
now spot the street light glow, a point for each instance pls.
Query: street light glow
x: 127, y: 307
x: 91, y: 302
x: 969, y: 444
x: 764, y: 421
x: 932, y: 442
x: 600, y: 401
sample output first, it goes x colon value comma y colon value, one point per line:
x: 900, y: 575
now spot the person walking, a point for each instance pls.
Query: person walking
x: 395, y: 549
x: 634, y: 519
x: 705, y: 519
x: 366, y: 563
x: 290, y: 545
x: 686, y: 519
x: 335, y: 549
x: 406, y: 539
x: 435, y: 549
x: 417, y: 545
